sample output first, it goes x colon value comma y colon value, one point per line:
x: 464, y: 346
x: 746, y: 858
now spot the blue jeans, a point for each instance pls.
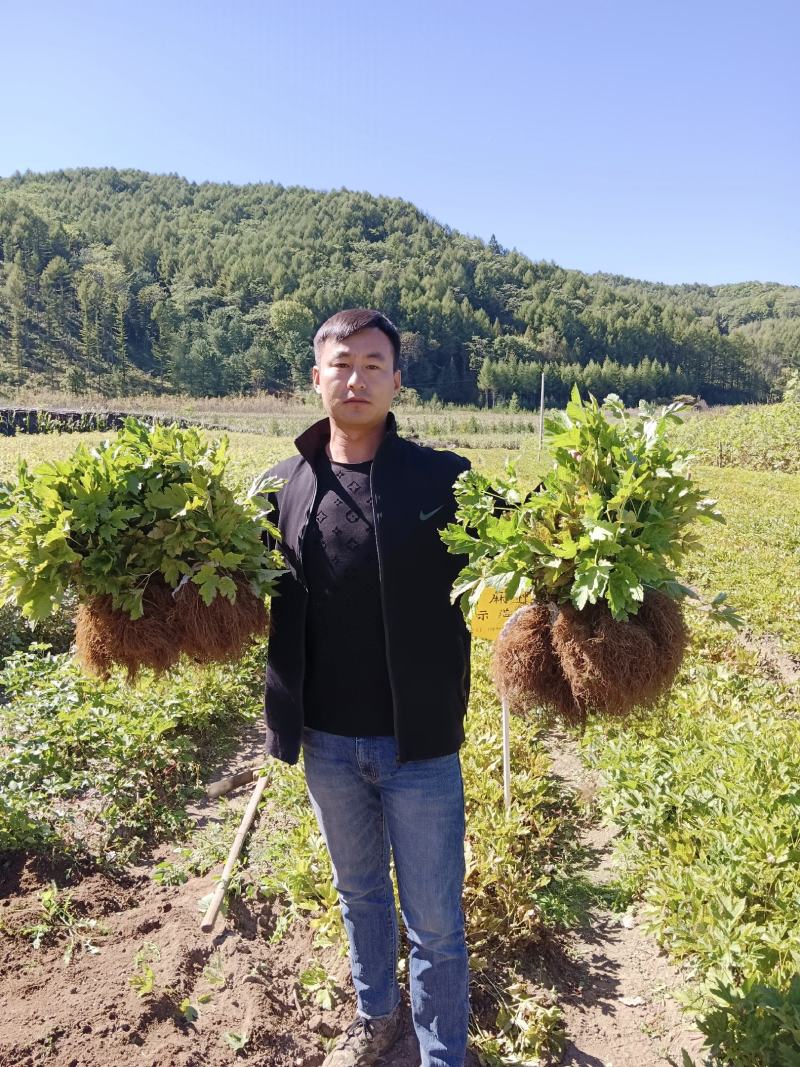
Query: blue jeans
x: 366, y: 802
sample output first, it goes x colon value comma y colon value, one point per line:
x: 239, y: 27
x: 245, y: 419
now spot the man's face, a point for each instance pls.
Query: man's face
x: 356, y: 379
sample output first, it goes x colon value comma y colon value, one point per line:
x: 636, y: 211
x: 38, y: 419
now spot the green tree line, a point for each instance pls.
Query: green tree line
x: 120, y: 280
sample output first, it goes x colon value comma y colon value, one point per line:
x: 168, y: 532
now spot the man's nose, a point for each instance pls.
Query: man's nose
x: 355, y: 378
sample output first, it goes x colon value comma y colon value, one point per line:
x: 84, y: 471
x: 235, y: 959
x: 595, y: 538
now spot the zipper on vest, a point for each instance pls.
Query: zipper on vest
x: 300, y: 561
x: 383, y: 598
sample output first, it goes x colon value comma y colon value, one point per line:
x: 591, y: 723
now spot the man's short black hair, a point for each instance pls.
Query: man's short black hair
x: 345, y: 323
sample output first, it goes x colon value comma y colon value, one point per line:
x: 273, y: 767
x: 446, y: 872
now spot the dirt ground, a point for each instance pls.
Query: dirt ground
x: 612, y: 982
x: 87, y: 1014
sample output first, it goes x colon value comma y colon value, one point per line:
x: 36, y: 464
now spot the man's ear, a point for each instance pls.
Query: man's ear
x: 315, y: 377
x: 396, y: 382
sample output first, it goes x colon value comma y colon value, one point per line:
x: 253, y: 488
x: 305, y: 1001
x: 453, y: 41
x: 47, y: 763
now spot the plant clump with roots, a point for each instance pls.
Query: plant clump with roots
x: 165, y: 557
x: 596, y: 548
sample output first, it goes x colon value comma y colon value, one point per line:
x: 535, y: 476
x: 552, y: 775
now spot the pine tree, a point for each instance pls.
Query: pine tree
x: 487, y: 381
x: 15, y: 293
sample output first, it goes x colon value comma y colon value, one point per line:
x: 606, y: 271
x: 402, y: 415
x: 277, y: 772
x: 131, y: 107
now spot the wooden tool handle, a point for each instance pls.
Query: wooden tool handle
x: 225, y: 785
x: 210, y: 916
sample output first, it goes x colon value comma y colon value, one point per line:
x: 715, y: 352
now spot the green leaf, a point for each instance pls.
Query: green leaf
x: 237, y: 1041
x: 209, y: 588
x: 188, y: 1010
x: 567, y: 550
x: 227, y: 587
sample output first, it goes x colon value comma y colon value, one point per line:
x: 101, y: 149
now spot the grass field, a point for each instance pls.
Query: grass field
x: 755, y: 557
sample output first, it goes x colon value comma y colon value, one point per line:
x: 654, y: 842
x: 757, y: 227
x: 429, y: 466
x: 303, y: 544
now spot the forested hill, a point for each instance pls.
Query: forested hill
x: 119, y: 279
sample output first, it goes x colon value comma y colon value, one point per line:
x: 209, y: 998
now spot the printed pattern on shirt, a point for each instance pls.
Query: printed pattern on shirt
x: 350, y: 694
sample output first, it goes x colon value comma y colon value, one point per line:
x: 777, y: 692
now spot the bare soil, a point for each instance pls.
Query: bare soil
x: 85, y: 1014
x: 773, y: 658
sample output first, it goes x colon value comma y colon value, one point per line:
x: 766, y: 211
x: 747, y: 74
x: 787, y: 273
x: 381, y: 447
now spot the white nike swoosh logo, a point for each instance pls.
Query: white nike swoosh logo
x: 426, y: 515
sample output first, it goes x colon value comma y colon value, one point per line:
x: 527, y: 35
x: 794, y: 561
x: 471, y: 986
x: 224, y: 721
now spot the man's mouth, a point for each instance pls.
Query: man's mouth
x: 357, y: 400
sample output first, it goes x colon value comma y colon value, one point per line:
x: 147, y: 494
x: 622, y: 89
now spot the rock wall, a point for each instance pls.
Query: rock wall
x: 60, y: 420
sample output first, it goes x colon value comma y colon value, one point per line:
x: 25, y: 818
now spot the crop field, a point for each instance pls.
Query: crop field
x: 757, y: 437
x: 108, y: 841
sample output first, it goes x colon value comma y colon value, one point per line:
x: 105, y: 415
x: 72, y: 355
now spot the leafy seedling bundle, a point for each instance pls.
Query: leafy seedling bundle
x: 597, y: 547
x: 164, y: 556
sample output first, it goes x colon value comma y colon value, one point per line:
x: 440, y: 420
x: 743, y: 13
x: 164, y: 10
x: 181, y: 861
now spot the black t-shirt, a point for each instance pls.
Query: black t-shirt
x: 346, y: 689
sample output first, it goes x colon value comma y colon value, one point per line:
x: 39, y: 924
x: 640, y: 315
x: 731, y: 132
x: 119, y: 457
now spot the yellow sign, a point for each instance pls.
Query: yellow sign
x: 493, y: 611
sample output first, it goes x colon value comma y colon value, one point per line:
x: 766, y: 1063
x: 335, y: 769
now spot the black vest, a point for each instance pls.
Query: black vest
x: 427, y: 640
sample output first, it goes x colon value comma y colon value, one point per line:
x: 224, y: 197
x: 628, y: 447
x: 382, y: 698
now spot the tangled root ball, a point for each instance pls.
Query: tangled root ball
x: 572, y: 662
x: 525, y: 667
x: 105, y: 636
x: 222, y: 630
x: 662, y: 617
x: 171, y: 624
x: 613, y: 667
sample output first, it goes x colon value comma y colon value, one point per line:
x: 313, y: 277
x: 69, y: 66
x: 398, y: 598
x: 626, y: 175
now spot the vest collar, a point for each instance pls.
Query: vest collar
x: 311, y: 441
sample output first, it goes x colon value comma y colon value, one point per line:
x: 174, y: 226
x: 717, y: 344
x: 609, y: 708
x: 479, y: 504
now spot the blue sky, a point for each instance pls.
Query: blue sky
x: 659, y: 141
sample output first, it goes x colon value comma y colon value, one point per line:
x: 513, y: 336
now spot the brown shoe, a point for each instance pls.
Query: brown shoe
x: 365, y: 1040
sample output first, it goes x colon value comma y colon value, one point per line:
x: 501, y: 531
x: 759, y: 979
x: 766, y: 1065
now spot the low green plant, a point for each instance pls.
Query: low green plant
x: 236, y: 1040
x: 755, y: 437
x: 528, y: 1029
x: 707, y: 796
x: 59, y: 921
x: 614, y: 516
x: 143, y: 978
x: 204, y: 851
x: 214, y: 972
x: 57, y: 631
x: 319, y: 986
x: 102, y: 767
x: 145, y: 983
x: 188, y: 1010
x: 756, y: 1024
x: 294, y: 869
x: 755, y: 553
x: 167, y: 872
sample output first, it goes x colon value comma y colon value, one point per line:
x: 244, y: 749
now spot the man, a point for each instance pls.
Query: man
x: 368, y: 672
